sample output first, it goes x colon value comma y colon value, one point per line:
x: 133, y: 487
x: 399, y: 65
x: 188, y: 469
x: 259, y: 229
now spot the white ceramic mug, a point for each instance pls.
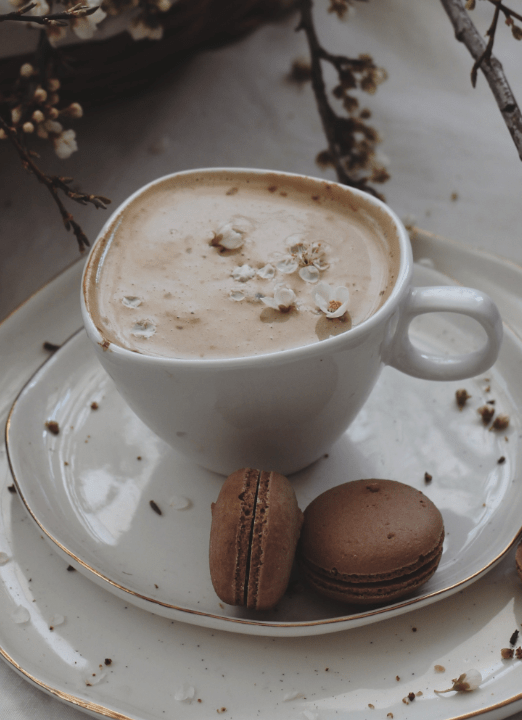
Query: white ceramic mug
x: 283, y: 410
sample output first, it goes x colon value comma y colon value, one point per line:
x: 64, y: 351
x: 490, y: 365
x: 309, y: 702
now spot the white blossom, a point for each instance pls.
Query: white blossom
x: 309, y: 274
x: 332, y: 301
x: 53, y: 126
x: 65, y: 144
x: 267, y: 272
x: 231, y: 236
x: 468, y: 681
x: 283, y: 300
x: 84, y: 27
x: 243, y: 273
x: 131, y: 301
x: 287, y: 265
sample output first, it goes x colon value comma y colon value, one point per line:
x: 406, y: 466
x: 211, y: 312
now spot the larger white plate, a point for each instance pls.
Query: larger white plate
x: 155, y: 660
x: 89, y: 487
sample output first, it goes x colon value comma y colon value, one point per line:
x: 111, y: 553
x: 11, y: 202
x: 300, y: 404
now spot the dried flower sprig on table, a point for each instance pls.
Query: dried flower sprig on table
x: 351, y: 141
x: 33, y: 110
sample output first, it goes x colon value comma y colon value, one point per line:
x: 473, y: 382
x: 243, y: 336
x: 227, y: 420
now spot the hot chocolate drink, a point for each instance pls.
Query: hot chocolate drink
x: 231, y: 265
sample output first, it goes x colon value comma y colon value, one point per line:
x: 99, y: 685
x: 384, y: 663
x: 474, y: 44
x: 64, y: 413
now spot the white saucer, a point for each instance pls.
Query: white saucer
x: 156, y: 662
x: 89, y: 487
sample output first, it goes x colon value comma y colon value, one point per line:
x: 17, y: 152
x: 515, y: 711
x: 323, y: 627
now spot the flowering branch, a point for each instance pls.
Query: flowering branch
x: 481, y: 52
x: 55, y: 184
x: 351, y: 142
x: 53, y: 19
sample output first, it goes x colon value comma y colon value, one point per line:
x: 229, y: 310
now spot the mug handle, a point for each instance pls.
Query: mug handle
x: 401, y: 354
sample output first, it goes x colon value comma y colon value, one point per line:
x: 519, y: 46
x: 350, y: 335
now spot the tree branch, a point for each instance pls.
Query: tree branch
x: 53, y: 19
x: 54, y: 183
x: 467, y: 33
x: 351, y: 142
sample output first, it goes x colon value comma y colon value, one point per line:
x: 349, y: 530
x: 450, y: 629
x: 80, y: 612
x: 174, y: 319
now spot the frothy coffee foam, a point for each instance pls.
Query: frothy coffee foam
x: 182, y: 272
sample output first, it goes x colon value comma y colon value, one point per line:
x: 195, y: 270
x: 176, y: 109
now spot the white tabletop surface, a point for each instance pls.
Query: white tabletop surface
x: 234, y: 107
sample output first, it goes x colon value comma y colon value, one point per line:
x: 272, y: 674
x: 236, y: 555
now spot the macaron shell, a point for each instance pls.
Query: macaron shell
x: 230, y: 533
x: 370, y: 527
x: 370, y: 541
x: 277, y: 525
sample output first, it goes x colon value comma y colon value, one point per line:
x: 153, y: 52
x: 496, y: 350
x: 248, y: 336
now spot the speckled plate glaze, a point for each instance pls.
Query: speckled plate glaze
x: 177, y: 671
x: 134, y: 516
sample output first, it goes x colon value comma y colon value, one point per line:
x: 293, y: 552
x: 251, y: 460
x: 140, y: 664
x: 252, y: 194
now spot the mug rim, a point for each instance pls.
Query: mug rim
x: 331, y: 344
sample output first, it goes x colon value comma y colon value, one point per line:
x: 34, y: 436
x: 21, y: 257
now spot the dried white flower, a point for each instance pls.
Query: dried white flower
x: 332, y: 301
x: 309, y: 274
x: 232, y: 235
x: 65, y: 144
x: 3, y: 134
x: 53, y: 127
x: 267, y: 272
x: 143, y: 329
x: 28, y: 127
x: 42, y: 8
x: 131, y: 301
x: 38, y: 116
x: 287, y: 265
x: 306, y: 255
x: 84, y: 27
x: 466, y: 682
x: 185, y: 693
x: 283, y: 300
x: 243, y: 273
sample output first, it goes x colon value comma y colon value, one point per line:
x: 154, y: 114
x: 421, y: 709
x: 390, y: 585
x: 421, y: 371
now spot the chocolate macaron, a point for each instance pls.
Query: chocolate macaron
x: 370, y: 542
x: 255, y: 528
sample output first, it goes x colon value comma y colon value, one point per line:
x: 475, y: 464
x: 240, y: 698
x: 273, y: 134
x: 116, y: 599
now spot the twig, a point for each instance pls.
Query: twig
x: 486, y: 55
x: 60, y: 18
x: 54, y: 183
x: 467, y: 33
x: 347, y: 154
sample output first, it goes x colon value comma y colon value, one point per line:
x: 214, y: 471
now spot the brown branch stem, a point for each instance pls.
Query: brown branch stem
x: 60, y: 18
x: 331, y: 122
x: 467, y: 33
x: 54, y: 183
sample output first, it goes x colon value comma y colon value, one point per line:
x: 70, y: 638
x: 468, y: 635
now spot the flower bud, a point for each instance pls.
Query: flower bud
x: 16, y: 115
x: 53, y: 84
x: 26, y: 70
x: 75, y: 110
x: 38, y: 116
x: 28, y: 127
x: 53, y: 113
x: 3, y: 134
x: 40, y: 95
